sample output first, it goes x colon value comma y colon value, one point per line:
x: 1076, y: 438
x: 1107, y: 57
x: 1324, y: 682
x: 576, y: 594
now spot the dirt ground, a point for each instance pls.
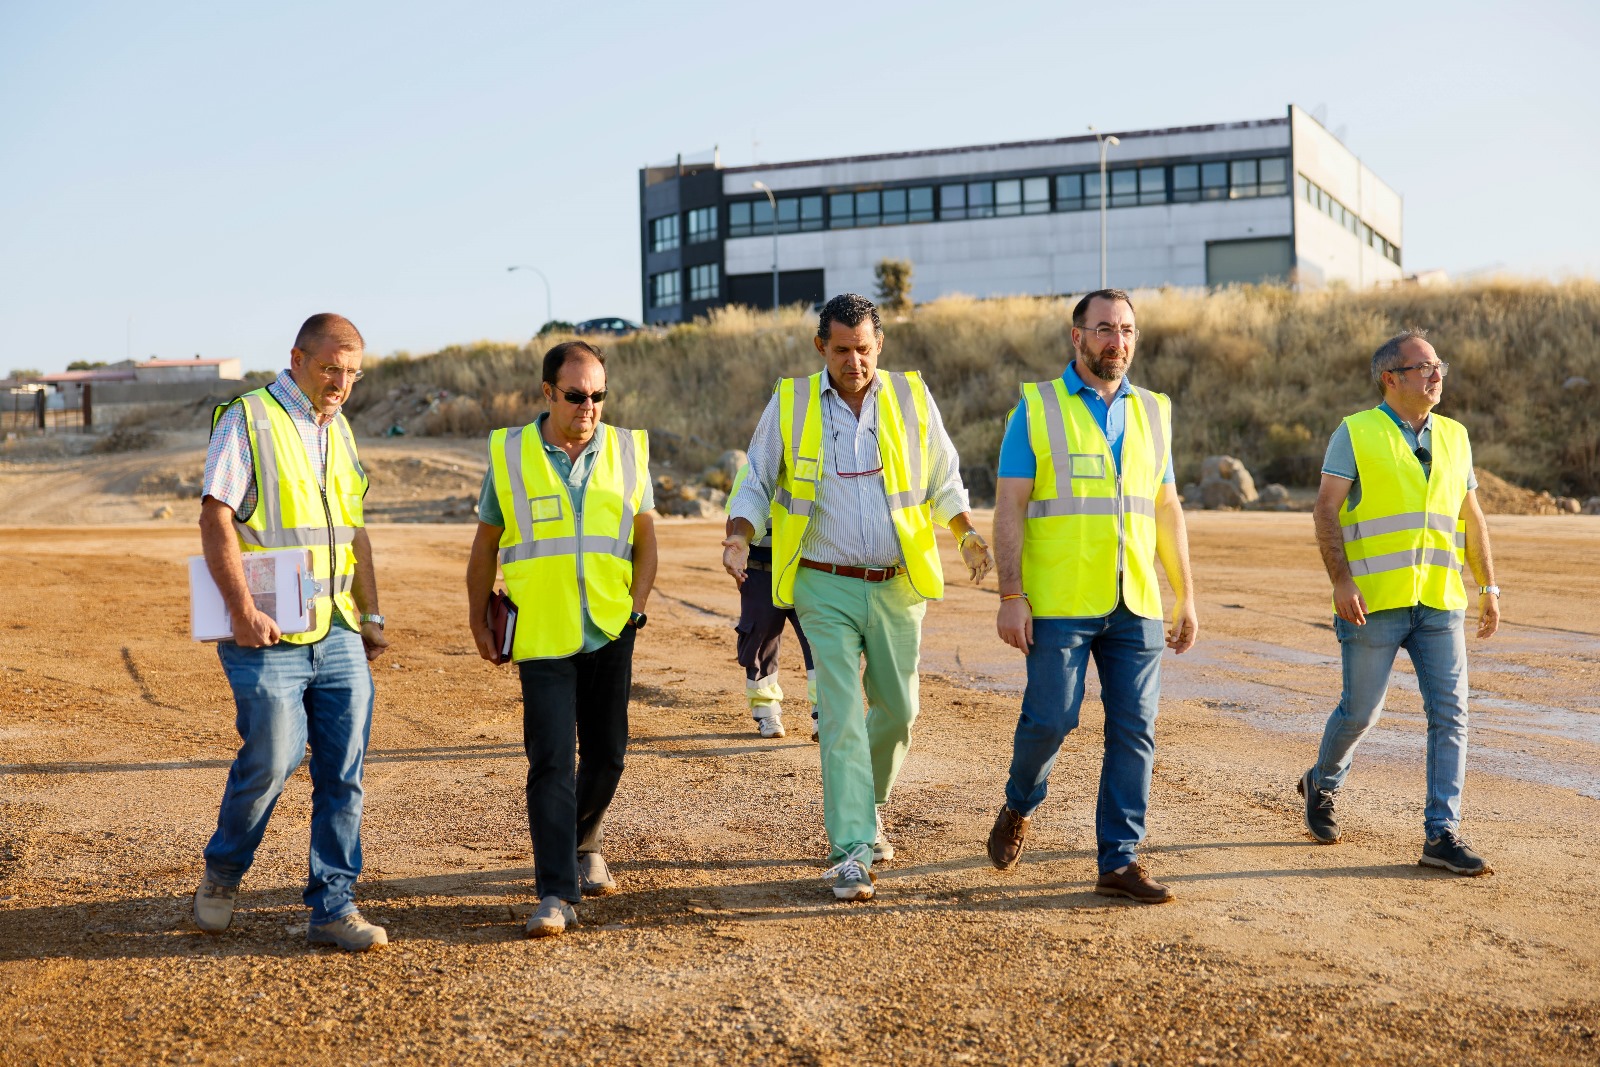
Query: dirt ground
x: 724, y: 945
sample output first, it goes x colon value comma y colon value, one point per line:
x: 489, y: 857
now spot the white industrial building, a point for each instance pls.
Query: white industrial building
x: 1277, y: 199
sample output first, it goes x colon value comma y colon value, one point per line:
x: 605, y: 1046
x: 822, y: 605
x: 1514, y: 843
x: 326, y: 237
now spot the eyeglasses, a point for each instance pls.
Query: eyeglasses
x: 873, y: 430
x: 576, y: 398
x: 1104, y: 333
x: 1428, y: 369
x: 332, y: 374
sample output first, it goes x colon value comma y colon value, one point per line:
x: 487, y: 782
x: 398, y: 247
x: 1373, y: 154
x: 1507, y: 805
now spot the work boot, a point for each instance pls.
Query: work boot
x: 350, y: 932
x: 1005, y: 839
x: 213, y: 905
x: 1132, y: 882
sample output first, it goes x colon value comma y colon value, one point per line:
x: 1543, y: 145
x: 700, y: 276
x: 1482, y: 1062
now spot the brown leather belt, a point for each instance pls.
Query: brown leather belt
x: 866, y: 574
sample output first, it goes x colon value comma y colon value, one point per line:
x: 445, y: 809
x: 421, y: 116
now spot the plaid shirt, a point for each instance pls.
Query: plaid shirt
x: 230, y: 475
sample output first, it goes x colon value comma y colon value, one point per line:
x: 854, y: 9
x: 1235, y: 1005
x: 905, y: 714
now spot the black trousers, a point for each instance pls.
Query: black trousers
x: 580, y: 704
x: 760, y: 628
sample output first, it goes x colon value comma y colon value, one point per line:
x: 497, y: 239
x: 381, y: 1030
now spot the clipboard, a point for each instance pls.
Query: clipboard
x: 280, y: 582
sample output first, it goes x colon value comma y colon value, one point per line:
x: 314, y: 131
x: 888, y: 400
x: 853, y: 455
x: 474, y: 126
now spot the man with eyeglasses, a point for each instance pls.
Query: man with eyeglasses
x: 282, y: 472
x: 567, y: 512
x: 1397, y: 505
x: 851, y: 468
x: 1086, y: 505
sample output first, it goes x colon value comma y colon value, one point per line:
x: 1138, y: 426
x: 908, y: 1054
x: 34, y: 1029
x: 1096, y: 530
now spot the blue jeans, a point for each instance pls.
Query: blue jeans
x: 1438, y: 649
x: 1127, y: 652
x: 288, y: 695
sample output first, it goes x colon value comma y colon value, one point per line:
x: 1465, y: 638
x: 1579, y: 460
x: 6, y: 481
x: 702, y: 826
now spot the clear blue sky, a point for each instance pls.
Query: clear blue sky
x: 216, y: 172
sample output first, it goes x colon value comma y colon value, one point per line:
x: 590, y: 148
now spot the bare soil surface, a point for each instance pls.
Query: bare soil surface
x: 723, y: 944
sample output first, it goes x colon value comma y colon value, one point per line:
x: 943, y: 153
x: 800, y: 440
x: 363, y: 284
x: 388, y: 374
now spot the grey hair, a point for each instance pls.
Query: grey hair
x: 1388, y: 356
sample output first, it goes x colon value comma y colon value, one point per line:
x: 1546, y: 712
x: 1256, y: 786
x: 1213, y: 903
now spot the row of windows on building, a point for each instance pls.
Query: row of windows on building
x: 666, y: 288
x: 1237, y: 179
x: 1319, y: 198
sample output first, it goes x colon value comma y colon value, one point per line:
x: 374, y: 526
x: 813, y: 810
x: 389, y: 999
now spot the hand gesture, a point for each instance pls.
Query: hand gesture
x: 735, y: 557
x: 976, y: 555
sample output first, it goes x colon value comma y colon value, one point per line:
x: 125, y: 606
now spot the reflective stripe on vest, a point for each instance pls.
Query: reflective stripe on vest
x: 1087, y: 523
x: 903, y: 428
x: 557, y: 574
x: 294, y: 511
x: 1405, y: 539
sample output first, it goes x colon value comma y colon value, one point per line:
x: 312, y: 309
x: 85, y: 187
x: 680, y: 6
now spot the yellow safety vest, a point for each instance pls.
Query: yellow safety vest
x: 903, y: 426
x: 555, y: 574
x: 1087, y: 524
x: 1404, y: 540
x: 294, y: 511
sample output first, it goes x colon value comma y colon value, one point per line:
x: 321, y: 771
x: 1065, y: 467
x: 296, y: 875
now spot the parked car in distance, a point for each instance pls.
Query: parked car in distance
x: 613, y: 326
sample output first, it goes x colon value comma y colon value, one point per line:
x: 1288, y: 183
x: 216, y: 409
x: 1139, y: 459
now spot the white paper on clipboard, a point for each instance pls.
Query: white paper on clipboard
x: 280, y: 583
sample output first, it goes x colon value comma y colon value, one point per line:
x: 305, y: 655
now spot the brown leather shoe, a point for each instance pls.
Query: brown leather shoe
x: 1134, y: 884
x: 1005, y: 840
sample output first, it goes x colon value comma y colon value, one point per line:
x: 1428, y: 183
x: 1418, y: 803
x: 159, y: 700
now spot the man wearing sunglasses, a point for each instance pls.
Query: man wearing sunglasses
x: 1397, y: 505
x: 851, y: 468
x: 566, y: 511
x: 282, y: 472
x: 1085, y: 508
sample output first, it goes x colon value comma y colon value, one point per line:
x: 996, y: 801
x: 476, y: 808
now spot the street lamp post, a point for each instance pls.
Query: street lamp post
x: 1105, y: 143
x: 774, y: 202
x: 548, y: 315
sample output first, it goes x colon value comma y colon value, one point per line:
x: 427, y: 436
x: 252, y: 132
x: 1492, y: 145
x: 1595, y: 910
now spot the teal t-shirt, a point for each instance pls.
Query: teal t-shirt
x: 575, y: 474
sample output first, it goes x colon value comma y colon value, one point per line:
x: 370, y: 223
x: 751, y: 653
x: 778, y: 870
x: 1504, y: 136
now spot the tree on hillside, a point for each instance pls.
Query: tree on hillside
x: 23, y: 373
x: 84, y: 364
x: 894, y: 285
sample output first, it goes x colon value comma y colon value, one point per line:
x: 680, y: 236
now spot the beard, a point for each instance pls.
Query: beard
x: 1102, y: 366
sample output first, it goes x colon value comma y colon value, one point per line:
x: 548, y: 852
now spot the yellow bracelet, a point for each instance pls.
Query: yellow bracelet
x: 1013, y: 596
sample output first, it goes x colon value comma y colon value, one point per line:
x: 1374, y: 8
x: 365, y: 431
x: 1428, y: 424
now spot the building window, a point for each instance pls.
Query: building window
x: 1185, y: 183
x: 739, y: 219
x: 952, y: 201
x: 704, y: 282
x: 1152, y: 185
x: 920, y: 204
x: 980, y: 200
x: 1008, y: 197
x: 1124, y: 188
x: 868, y: 208
x: 811, y: 213
x: 664, y: 289
x: 842, y: 210
x: 702, y: 225
x: 1318, y: 198
x: 894, y: 207
x: 1069, y: 192
x: 1274, y: 176
x: 664, y: 233
x: 1035, y: 196
x: 1213, y: 181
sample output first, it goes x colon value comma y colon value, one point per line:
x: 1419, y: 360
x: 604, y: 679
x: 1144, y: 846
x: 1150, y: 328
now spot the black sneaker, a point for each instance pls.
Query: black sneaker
x: 1453, y: 854
x: 1319, y: 811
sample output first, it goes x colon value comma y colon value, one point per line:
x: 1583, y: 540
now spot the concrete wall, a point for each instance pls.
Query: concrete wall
x: 1325, y: 251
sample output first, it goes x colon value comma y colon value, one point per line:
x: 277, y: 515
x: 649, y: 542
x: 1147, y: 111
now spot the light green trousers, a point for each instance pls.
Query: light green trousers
x: 845, y: 619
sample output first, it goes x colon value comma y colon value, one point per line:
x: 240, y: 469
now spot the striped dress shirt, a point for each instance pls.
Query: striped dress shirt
x: 850, y: 524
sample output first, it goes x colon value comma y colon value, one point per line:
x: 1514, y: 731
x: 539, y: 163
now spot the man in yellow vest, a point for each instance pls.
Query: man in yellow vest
x: 1086, y: 505
x: 567, y: 512
x: 851, y: 468
x: 1397, y: 505
x: 282, y: 472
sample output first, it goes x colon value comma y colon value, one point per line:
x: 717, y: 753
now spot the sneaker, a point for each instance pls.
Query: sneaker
x: 1005, y: 839
x: 1132, y: 882
x: 770, y: 725
x: 882, y: 847
x: 594, y: 877
x: 1319, y: 810
x: 350, y: 932
x: 213, y: 905
x: 1453, y: 854
x: 851, y: 881
x: 551, y: 918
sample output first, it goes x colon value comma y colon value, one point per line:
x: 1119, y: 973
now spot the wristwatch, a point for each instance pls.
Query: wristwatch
x: 961, y: 542
x: 372, y: 618
x: 637, y: 620
x: 1495, y: 589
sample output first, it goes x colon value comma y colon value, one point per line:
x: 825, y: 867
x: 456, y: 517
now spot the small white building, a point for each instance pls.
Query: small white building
x: 1270, y: 200
x: 188, y: 370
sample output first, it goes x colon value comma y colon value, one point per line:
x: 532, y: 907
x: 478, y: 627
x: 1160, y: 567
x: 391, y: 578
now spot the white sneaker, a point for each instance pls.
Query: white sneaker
x: 882, y: 847
x: 350, y: 932
x: 213, y: 905
x: 551, y: 918
x: 851, y: 881
x: 770, y: 726
x: 594, y: 877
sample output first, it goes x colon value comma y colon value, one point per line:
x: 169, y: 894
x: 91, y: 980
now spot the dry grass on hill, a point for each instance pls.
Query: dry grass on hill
x: 1260, y: 373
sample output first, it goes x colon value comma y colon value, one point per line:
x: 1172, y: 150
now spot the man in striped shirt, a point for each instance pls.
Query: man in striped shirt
x: 853, y: 585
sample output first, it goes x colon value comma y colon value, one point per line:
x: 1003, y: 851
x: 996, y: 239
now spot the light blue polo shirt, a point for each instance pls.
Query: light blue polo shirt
x: 575, y: 475
x: 1340, y: 459
x: 1016, y: 453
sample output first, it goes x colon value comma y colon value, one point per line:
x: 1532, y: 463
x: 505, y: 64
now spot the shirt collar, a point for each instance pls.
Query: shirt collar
x: 827, y: 383
x: 1427, y: 420
x: 592, y: 446
x: 294, y: 397
x: 1076, y: 384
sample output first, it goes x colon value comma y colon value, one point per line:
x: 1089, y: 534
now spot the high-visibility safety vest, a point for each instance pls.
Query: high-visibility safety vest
x: 294, y: 511
x: 555, y: 573
x: 903, y: 427
x: 1089, y: 525
x: 1405, y: 538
